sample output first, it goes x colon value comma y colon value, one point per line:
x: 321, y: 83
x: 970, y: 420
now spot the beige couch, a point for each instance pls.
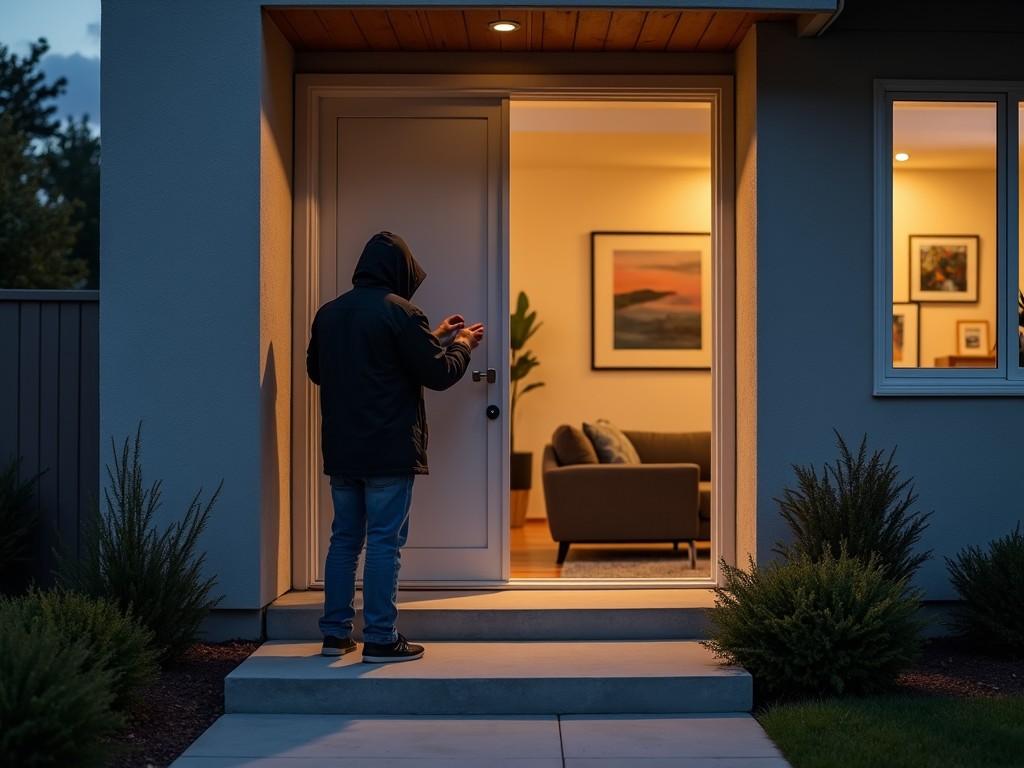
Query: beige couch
x: 665, y: 498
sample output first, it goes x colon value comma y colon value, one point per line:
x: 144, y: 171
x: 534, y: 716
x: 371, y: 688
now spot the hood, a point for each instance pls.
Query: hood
x: 387, y: 262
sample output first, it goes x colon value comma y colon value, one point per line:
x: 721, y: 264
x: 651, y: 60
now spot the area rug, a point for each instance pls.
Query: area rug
x: 632, y: 564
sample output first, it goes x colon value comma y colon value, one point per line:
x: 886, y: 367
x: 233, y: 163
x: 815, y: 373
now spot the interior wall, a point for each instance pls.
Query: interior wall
x: 939, y: 202
x: 275, y: 312
x: 553, y: 211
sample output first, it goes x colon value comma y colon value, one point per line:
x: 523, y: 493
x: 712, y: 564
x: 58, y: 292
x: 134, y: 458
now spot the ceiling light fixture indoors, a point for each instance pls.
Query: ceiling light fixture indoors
x: 902, y: 157
x: 504, y: 25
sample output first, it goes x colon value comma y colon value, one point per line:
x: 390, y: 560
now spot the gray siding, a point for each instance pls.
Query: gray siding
x: 49, y: 407
x: 815, y: 199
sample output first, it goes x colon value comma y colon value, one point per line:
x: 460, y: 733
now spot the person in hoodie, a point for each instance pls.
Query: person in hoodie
x: 372, y: 351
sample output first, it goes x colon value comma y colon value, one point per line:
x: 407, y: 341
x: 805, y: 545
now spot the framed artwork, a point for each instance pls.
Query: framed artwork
x: 972, y: 338
x: 650, y: 300
x: 944, y: 268
x: 905, y: 335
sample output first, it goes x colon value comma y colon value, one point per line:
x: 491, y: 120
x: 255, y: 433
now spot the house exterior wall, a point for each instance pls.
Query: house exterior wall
x: 278, y: 62
x: 180, y: 321
x: 192, y: 295
x: 814, y: 267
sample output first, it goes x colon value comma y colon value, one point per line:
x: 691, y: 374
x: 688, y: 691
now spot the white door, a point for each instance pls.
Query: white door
x: 432, y: 172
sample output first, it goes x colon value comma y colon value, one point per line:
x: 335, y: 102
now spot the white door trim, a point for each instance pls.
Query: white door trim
x: 310, y: 90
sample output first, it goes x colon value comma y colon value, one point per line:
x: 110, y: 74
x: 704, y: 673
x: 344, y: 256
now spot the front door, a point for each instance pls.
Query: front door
x: 431, y: 171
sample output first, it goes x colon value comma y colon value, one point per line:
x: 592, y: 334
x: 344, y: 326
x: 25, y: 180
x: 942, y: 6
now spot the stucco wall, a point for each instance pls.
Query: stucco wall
x: 276, y: 311
x: 553, y: 212
x: 814, y: 315
x: 180, y: 303
x: 746, y: 298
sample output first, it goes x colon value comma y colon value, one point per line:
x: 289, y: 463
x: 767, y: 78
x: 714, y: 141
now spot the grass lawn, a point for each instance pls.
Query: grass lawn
x: 899, y: 732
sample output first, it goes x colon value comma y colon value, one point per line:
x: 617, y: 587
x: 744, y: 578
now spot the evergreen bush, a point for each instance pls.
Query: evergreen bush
x: 858, y: 503
x: 990, y: 584
x: 17, y: 523
x: 112, y: 640
x: 821, y: 627
x: 55, y: 707
x: 155, y: 575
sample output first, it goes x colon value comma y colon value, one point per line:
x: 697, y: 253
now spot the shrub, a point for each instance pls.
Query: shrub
x: 157, y: 576
x: 54, y: 706
x: 815, y: 627
x: 112, y: 640
x: 860, y: 503
x: 17, y: 523
x: 989, y: 583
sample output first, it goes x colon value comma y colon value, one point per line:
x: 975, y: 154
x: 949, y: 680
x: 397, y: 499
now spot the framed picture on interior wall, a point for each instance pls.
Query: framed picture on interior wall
x: 972, y: 338
x: 650, y: 300
x: 905, y: 334
x: 943, y: 267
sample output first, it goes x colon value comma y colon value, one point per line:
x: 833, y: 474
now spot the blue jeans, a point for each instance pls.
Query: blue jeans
x: 374, y: 510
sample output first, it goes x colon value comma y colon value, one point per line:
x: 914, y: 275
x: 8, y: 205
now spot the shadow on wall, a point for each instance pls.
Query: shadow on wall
x: 270, y: 468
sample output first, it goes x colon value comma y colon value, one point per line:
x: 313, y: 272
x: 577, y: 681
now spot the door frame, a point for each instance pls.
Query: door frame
x: 311, y: 89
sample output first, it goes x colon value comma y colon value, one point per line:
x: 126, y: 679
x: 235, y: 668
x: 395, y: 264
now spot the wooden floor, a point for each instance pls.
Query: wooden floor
x: 533, y: 551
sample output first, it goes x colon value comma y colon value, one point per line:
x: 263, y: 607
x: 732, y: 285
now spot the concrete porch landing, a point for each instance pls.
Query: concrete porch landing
x: 603, y: 741
x: 491, y: 678
x: 518, y: 614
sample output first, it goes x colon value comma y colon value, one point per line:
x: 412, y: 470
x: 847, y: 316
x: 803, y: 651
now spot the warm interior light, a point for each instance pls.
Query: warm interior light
x: 902, y: 157
x: 504, y: 26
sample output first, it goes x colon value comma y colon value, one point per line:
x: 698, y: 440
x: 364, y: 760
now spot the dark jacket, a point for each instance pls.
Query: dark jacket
x: 372, y: 351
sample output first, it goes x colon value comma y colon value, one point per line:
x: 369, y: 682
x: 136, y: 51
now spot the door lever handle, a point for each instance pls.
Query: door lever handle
x: 491, y: 375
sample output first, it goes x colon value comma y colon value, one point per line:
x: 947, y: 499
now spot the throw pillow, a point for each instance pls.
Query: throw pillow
x: 571, y: 446
x: 612, y: 446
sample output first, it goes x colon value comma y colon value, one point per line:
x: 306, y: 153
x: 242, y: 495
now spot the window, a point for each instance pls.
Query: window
x: 948, y: 277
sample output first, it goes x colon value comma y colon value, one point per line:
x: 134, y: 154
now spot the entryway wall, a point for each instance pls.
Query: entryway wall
x: 554, y: 208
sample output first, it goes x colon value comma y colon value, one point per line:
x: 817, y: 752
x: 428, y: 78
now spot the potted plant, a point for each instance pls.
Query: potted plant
x: 522, y: 327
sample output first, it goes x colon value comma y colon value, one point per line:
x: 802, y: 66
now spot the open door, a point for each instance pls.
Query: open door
x: 430, y: 170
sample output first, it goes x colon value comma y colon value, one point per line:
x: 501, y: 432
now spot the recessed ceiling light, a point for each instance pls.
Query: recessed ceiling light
x: 504, y: 25
x: 902, y: 157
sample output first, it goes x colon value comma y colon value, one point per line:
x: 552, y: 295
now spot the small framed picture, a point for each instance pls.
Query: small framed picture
x: 944, y: 268
x: 972, y: 338
x: 905, y: 335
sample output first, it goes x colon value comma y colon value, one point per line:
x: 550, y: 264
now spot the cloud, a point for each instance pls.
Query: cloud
x: 93, y: 31
x: 683, y: 267
x: 83, y: 89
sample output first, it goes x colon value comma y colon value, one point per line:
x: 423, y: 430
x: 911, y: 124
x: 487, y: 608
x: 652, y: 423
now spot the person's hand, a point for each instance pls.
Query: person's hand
x: 471, y: 335
x: 450, y: 326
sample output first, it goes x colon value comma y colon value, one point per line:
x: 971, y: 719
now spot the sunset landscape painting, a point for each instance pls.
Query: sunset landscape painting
x: 657, y: 297
x: 652, y: 297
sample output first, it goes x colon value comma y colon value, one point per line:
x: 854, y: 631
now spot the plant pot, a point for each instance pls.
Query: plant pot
x: 520, y: 482
x: 521, y: 471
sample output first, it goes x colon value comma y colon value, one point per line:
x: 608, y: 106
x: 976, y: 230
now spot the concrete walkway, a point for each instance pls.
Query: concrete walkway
x: 575, y: 741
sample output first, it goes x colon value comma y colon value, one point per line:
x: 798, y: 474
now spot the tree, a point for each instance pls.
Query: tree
x: 24, y: 96
x: 49, y: 182
x: 36, y: 231
x: 74, y: 175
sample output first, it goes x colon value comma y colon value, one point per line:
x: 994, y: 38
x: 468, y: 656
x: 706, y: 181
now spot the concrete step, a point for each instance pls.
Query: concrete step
x: 492, y: 678
x: 519, y: 614
x: 706, y: 740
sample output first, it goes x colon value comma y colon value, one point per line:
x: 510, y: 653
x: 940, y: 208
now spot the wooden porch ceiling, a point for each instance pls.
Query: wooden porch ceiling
x: 447, y: 29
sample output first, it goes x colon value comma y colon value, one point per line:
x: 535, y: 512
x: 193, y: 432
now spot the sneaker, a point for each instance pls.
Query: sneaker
x: 400, y: 650
x: 337, y: 646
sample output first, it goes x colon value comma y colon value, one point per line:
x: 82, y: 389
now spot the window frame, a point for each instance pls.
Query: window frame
x: 1007, y: 378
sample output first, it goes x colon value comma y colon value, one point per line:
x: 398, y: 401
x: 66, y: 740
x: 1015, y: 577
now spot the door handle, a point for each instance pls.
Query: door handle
x: 491, y: 375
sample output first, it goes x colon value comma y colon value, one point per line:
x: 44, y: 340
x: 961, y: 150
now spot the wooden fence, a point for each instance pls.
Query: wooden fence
x: 49, y: 408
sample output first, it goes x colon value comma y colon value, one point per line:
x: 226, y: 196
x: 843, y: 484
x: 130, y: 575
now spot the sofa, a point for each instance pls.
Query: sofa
x: 664, y: 498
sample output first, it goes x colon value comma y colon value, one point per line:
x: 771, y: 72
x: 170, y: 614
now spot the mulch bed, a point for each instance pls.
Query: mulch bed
x: 950, y: 667
x: 186, y: 699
